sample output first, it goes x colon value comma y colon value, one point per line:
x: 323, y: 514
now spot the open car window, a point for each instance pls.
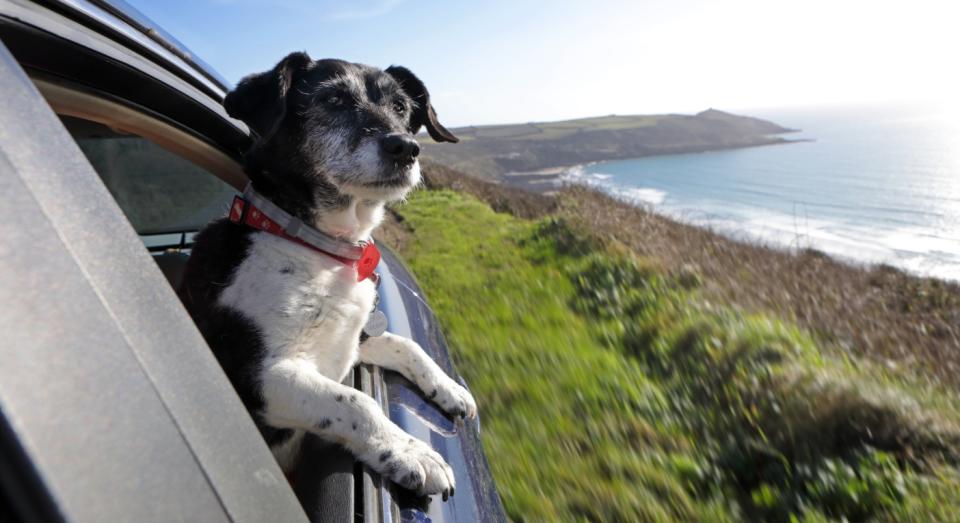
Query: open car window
x: 158, y: 191
x: 166, y: 197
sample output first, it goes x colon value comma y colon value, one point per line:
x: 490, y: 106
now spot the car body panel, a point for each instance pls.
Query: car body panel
x: 458, y: 442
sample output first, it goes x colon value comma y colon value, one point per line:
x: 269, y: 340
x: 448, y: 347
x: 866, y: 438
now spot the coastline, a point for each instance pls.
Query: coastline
x: 551, y: 181
x: 548, y: 180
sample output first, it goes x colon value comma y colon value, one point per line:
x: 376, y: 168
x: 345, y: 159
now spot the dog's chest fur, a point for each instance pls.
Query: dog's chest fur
x: 305, y: 304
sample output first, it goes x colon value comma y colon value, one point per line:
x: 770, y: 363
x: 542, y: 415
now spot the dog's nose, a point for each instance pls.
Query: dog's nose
x: 400, y: 147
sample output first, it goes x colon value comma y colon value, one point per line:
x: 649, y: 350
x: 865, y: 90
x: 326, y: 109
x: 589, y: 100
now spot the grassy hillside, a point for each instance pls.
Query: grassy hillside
x: 492, y: 151
x: 614, y: 385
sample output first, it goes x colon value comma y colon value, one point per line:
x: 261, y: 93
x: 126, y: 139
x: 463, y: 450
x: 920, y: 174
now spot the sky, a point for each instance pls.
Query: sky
x: 503, y: 61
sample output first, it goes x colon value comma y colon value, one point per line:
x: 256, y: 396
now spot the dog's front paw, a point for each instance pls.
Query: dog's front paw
x: 415, y: 466
x: 454, y: 399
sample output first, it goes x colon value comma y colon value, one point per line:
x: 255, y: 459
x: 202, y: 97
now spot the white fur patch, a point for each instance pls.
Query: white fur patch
x: 305, y: 304
x: 353, y: 223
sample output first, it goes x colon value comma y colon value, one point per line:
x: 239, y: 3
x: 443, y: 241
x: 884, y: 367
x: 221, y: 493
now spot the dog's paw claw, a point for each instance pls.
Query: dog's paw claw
x: 417, y: 467
x: 455, y: 400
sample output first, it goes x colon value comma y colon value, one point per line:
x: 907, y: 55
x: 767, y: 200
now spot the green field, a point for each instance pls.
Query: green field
x: 611, y: 390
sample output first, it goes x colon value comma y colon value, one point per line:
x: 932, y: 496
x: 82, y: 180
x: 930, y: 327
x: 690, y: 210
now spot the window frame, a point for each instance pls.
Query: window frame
x: 78, y: 103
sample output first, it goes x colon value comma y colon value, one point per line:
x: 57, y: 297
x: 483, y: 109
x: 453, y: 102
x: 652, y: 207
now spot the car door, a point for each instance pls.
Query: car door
x: 112, y: 407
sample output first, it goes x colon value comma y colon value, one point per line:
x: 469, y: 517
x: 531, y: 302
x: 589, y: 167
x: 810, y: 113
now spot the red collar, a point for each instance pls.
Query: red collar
x: 244, y: 212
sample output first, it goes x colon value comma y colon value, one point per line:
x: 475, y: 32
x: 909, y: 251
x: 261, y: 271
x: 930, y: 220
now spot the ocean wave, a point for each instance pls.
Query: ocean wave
x: 643, y: 195
x: 911, y: 249
x: 636, y: 195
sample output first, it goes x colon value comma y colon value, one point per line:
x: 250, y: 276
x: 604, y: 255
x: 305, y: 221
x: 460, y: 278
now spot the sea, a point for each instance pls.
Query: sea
x: 868, y: 184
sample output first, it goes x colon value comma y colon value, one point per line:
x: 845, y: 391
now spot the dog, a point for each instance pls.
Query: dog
x: 334, y: 142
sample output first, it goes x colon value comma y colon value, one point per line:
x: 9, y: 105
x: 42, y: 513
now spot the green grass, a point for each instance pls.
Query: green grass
x: 557, y: 407
x: 609, y: 391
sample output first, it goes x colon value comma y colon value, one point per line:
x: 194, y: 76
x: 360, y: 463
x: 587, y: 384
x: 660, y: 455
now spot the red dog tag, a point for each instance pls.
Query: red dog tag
x: 369, y: 260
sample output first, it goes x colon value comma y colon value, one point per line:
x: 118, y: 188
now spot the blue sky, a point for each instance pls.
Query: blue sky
x: 515, y: 61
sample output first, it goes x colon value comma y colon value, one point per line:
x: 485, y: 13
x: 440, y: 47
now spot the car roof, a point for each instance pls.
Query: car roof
x: 99, y: 47
x: 126, y: 25
x: 140, y: 22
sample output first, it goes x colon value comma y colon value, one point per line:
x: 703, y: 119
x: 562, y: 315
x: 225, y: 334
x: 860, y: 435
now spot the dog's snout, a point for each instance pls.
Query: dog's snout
x: 399, y: 147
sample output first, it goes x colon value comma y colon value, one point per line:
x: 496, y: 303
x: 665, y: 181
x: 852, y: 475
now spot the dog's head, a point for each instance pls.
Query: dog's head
x: 336, y: 126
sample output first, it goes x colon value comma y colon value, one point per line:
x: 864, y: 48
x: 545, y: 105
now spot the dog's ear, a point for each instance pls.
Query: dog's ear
x: 423, y: 113
x: 260, y: 100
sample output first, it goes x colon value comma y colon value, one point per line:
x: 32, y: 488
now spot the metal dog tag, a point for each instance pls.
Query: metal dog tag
x: 376, y: 324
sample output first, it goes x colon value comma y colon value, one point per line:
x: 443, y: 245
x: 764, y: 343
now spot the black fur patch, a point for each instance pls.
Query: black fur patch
x: 219, y: 249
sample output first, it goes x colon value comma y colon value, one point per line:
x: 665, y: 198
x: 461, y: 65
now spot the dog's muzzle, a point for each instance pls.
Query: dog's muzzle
x: 399, y: 148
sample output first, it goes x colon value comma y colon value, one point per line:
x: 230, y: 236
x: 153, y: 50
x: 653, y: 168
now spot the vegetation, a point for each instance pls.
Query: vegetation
x: 495, y: 150
x: 615, y: 386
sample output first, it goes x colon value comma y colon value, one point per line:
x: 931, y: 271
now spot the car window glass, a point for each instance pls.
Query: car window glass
x: 158, y: 191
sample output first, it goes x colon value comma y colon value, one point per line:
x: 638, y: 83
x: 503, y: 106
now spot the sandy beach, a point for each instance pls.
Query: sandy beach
x: 542, y: 181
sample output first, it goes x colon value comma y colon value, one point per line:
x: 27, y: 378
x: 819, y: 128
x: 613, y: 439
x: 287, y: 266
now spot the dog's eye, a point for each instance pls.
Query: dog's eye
x: 334, y: 100
x: 399, y: 107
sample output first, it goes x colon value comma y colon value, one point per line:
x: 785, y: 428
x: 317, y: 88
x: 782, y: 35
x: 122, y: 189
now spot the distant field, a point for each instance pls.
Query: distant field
x: 495, y: 150
x: 553, y: 130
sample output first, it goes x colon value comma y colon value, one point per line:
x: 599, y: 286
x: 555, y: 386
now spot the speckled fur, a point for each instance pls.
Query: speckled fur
x: 284, y: 320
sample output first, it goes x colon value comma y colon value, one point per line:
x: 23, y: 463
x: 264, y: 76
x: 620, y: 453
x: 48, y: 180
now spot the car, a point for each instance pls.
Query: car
x: 114, y: 151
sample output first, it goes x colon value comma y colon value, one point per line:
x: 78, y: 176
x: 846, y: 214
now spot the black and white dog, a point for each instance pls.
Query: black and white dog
x: 335, y: 143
